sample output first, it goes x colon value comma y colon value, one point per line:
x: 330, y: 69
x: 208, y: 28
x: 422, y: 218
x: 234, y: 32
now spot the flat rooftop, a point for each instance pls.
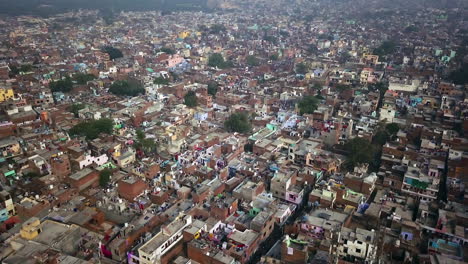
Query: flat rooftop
x: 80, y: 174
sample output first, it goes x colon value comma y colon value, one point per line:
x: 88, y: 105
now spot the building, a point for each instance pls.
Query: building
x: 6, y: 94
x: 131, y: 187
x: 7, y: 207
x: 421, y: 185
x: 84, y: 178
x: 357, y: 245
x: 153, y: 250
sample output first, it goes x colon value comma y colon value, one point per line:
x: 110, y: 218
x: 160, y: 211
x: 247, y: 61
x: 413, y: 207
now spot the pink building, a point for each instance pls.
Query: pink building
x: 294, y: 194
x: 174, y: 60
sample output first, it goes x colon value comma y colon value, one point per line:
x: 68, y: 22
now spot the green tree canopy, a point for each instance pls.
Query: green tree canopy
x: 392, y: 128
x: 460, y: 76
x: 217, y: 60
x: 25, y: 68
x: 104, y: 177
x: 167, y: 50
x: 342, y: 87
x: 411, y: 28
x: 126, y: 88
x: 114, y: 53
x: 92, y: 129
x: 213, y: 88
x: 252, y: 60
x: 217, y: 28
x: 312, y: 49
x: 83, y: 78
x: 274, y: 57
x: 161, y: 81
x: 75, y: 108
x: 190, y: 99
x: 64, y: 86
x: 146, y: 144
x: 385, y: 133
x: 238, y: 122
x: 386, y: 48
x: 360, y: 151
x: 271, y: 39
x: 308, y: 105
x: 301, y: 68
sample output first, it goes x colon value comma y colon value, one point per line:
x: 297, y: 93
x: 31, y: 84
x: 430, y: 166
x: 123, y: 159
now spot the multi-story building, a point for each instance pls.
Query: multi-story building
x: 421, y: 185
x: 7, y: 208
x: 153, y: 250
x: 357, y: 245
x: 6, y: 94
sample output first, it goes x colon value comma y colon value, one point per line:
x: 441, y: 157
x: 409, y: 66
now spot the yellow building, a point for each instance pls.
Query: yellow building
x: 184, y: 34
x: 31, y: 228
x: 6, y: 94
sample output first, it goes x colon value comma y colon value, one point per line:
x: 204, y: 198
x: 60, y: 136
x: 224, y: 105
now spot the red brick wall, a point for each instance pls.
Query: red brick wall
x: 130, y: 191
x: 298, y: 256
x: 92, y: 178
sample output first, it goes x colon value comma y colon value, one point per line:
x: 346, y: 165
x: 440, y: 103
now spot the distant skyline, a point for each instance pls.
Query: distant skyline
x: 51, y: 7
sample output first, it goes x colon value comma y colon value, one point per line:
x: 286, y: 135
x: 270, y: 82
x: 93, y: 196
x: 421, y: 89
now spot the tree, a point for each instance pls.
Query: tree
x: 308, y: 18
x: 344, y: 57
x: 387, y: 47
x: 104, y: 177
x: 167, y: 50
x: 26, y: 68
x: 161, y: 81
x: 460, y: 76
x: 308, y: 105
x: 64, y: 86
x: 359, y: 151
x: 83, y: 78
x: 92, y: 129
x: 271, y: 39
x: 380, y: 138
x: 284, y: 33
x: 31, y: 175
x: 385, y: 133
x: 248, y: 147
x: 238, y: 122
x: 252, y: 60
x: 213, y: 88
x: 411, y: 28
x: 392, y: 128
x: 274, y: 57
x: 301, y: 68
x: 217, y: 28
x: 114, y: 53
x: 126, y: 88
x: 316, y: 87
x: 146, y: 144
x: 342, y: 87
x: 107, y: 15
x: 75, y: 108
x: 217, y: 60
x: 190, y: 99
x: 312, y: 49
